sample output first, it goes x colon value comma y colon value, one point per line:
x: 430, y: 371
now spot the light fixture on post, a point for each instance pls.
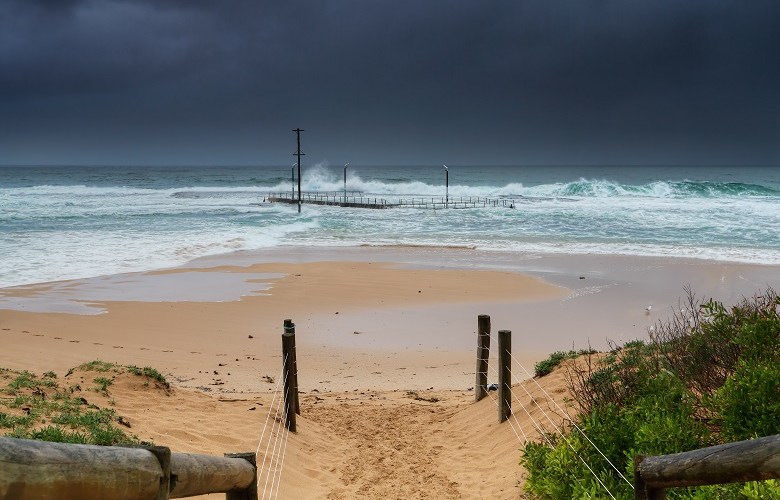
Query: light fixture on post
x: 292, y: 180
x: 446, y: 186
x: 345, y: 181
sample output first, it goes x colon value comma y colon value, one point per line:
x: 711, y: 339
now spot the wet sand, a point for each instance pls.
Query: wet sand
x: 372, y: 324
x: 377, y: 318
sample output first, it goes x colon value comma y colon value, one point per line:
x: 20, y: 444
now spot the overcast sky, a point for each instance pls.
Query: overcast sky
x: 193, y: 82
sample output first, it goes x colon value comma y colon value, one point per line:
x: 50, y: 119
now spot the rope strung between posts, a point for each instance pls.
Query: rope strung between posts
x: 539, y: 427
x: 262, y: 436
x: 513, y: 415
x: 560, y: 431
x: 572, y: 421
x: 495, y: 400
x: 281, y: 466
x: 277, y: 438
x: 268, y: 415
x: 275, y: 430
x: 274, y: 460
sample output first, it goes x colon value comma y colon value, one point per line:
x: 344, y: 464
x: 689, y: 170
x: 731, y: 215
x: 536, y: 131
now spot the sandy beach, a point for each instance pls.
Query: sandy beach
x: 386, y: 343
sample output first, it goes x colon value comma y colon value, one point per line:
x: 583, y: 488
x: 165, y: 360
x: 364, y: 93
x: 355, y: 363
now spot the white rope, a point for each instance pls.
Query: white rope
x: 513, y: 415
x: 276, y: 391
x: 274, y: 459
x: 539, y: 427
x: 560, y: 432
x: 272, y: 465
x: 276, y: 442
x: 281, y: 465
x: 572, y: 421
x: 525, y: 438
x: 268, y: 415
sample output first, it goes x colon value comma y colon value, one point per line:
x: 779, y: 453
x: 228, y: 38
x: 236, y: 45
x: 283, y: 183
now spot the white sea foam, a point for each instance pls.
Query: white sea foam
x: 60, y: 231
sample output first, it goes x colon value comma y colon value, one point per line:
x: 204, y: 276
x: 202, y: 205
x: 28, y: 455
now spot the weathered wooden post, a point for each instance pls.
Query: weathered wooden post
x: 249, y: 493
x: 504, y: 375
x: 483, y: 352
x: 288, y: 347
x: 163, y: 455
x: 289, y: 327
x: 641, y: 490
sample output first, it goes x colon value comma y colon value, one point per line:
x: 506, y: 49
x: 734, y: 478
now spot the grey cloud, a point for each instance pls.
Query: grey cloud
x: 401, y: 82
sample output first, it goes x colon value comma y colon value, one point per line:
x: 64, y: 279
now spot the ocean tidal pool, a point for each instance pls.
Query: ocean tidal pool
x: 89, y: 295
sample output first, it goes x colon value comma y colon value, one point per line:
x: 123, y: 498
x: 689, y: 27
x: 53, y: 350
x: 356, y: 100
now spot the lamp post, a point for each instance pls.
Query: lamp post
x: 292, y: 180
x: 299, y: 154
x: 446, y: 186
x: 345, y: 181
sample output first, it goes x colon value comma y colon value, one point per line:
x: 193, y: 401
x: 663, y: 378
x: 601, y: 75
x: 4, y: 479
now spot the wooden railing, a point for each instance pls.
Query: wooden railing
x: 42, y: 470
x: 739, y: 462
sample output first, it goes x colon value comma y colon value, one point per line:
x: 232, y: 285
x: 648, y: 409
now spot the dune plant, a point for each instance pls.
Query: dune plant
x: 41, y: 408
x: 709, y: 375
x: 546, y: 366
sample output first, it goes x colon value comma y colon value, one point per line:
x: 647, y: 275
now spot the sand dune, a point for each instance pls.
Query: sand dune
x: 385, y: 353
x: 358, y: 444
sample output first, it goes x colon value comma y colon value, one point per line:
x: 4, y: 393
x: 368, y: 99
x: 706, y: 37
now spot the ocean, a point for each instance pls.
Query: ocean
x: 75, y: 222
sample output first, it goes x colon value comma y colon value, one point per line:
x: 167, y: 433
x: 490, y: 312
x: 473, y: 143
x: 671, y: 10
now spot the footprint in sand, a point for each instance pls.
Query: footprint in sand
x: 57, y: 338
x: 144, y: 348
x: 167, y: 350
x: 37, y: 335
x: 6, y: 329
x: 96, y: 343
x: 194, y: 352
x: 25, y: 331
x: 118, y: 347
x: 74, y: 341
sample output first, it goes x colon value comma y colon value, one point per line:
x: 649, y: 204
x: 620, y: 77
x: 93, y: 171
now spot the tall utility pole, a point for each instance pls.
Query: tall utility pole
x: 299, y: 154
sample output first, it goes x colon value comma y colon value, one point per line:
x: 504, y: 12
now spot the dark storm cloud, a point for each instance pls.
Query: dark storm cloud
x: 121, y: 81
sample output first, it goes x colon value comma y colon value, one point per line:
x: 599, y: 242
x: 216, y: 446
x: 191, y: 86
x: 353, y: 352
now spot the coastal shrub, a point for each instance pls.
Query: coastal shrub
x: 546, y: 366
x: 748, y: 405
x: 710, y: 375
x: 152, y: 373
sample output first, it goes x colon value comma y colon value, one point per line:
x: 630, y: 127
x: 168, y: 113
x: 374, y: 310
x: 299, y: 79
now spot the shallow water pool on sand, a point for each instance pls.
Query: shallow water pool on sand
x: 86, y: 296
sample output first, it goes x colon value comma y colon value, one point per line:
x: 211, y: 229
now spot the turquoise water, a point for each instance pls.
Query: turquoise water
x: 72, y: 222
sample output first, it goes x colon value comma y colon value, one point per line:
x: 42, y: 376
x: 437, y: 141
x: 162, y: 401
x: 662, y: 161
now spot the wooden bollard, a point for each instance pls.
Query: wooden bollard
x: 289, y: 327
x: 251, y: 492
x: 504, y: 375
x: 483, y: 352
x: 641, y: 490
x: 288, y: 347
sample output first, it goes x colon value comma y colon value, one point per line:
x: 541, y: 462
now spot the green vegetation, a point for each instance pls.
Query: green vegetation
x: 148, y: 371
x: 103, y: 384
x: 546, y: 366
x: 35, y: 407
x: 710, y: 375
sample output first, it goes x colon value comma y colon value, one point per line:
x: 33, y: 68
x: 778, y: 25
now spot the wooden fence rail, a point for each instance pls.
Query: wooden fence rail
x: 752, y: 460
x: 42, y: 470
